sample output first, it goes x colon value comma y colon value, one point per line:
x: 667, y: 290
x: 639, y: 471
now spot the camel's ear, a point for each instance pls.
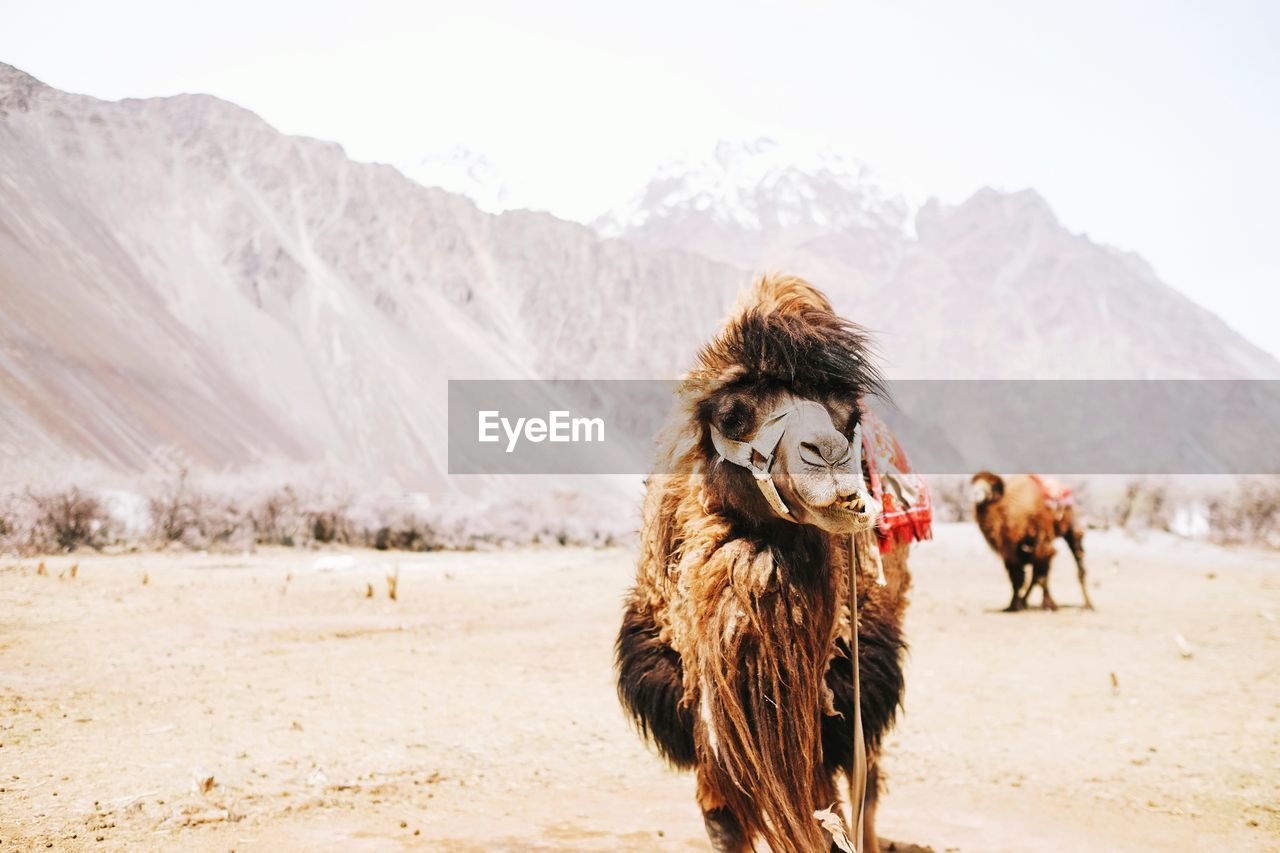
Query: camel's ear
x: 783, y: 294
x: 986, y: 487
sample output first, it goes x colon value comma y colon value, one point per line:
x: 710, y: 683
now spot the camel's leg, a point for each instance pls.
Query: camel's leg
x: 725, y: 831
x: 1040, y: 578
x: 1075, y: 541
x: 1016, y: 578
x: 724, y: 828
x: 870, y: 841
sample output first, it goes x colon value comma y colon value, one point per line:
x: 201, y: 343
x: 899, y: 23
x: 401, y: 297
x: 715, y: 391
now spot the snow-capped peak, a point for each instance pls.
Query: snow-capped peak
x: 467, y: 172
x: 762, y: 185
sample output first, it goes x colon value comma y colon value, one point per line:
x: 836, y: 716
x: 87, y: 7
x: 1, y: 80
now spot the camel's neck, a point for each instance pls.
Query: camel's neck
x: 758, y: 664
x: 800, y: 553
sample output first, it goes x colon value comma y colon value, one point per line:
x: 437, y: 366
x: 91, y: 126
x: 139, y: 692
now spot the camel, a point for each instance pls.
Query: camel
x: 1020, y: 517
x: 732, y: 658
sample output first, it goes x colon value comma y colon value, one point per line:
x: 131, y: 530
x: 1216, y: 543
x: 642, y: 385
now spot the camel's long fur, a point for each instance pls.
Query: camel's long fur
x: 747, y: 611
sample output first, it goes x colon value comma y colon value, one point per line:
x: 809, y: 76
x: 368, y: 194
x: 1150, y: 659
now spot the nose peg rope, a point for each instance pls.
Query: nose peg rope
x: 863, y: 548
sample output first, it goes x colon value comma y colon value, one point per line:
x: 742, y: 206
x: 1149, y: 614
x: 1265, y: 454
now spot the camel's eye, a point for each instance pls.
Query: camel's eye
x: 736, y: 418
x: 842, y: 415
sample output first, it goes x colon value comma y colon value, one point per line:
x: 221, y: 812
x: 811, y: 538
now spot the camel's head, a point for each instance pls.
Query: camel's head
x: 986, y: 488
x: 777, y: 408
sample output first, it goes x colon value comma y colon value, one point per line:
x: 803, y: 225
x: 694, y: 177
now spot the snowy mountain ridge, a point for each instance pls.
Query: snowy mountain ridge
x: 761, y: 185
x: 465, y: 171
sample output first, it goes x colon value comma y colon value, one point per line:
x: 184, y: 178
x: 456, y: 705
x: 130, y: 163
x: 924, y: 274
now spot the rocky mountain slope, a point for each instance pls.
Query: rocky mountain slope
x: 995, y: 287
x: 176, y: 273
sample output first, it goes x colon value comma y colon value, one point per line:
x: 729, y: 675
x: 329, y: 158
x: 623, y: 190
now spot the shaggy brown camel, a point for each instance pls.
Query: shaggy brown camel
x: 732, y: 657
x: 1020, y: 523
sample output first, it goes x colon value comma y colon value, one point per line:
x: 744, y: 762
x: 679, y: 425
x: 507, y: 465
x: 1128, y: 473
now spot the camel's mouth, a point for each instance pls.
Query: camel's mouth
x: 847, y: 514
x: 851, y: 503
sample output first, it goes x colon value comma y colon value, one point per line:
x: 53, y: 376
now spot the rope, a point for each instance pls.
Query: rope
x: 858, y: 767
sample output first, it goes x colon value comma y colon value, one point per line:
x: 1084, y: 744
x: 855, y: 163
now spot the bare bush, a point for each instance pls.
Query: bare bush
x: 8, y: 520
x: 408, y: 533
x: 1143, y: 504
x: 286, y: 518
x: 1248, y: 514
x: 170, y: 504
x: 329, y: 523
x: 185, y: 514
x: 174, y: 508
x: 277, y: 518
x: 59, y: 520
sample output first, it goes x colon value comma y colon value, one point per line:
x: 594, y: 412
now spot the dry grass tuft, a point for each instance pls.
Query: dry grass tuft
x: 393, y: 582
x: 202, y: 782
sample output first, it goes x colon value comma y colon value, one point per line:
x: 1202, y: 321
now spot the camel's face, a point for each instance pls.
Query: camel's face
x: 816, y: 466
x: 985, y: 488
x: 818, y: 471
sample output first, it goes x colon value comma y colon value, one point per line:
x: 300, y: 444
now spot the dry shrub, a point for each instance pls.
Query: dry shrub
x: 284, y: 517
x: 276, y: 518
x: 561, y: 517
x: 330, y: 525
x: 1247, y: 514
x: 1231, y: 510
x: 174, y: 508
x: 183, y: 513
x: 1142, y: 504
x: 406, y: 533
x: 46, y: 522
x: 8, y: 522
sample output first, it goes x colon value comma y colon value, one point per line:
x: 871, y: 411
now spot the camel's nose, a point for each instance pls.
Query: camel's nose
x: 828, y: 447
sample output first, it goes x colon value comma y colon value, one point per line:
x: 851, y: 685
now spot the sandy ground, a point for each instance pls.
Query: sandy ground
x: 476, y: 712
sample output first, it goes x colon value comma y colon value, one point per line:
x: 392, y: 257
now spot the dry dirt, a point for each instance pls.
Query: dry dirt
x: 476, y: 712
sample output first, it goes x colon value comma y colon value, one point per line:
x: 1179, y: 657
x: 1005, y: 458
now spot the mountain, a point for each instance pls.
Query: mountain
x: 176, y: 273
x: 465, y: 171
x: 753, y: 200
x: 995, y: 287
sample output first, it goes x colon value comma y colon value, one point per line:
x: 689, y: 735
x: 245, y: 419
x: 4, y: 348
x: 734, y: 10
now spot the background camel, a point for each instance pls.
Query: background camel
x: 1020, y: 522
x: 732, y: 657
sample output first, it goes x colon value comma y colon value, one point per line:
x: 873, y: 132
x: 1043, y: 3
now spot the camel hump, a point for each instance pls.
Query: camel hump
x: 775, y: 292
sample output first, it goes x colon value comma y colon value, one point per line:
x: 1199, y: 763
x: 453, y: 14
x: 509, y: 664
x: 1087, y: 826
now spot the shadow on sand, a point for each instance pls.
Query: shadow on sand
x: 887, y: 846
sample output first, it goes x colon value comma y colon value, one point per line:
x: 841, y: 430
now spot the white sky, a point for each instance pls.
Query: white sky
x: 1152, y: 126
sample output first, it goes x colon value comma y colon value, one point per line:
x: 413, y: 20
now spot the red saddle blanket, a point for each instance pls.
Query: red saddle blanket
x: 1057, y: 495
x: 906, y: 508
